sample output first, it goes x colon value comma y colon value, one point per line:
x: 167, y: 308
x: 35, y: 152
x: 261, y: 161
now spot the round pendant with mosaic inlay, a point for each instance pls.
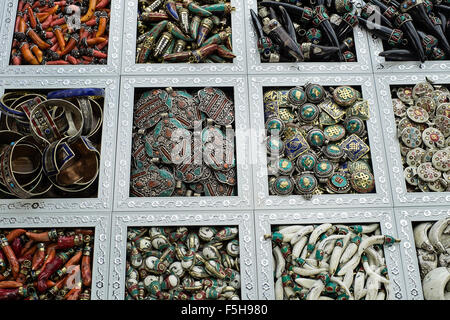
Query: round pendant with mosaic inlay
x: 308, y: 113
x: 334, y: 133
x: 354, y: 125
x: 427, y: 172
x: 405, y: 95
x: 323, y: 170
x: 296, y: 97
x: 345, y: 96
x: 411, y: 137
x: 441, y: 97
x: 338, y: 183
x: 275, y: 124
x: 443, y: 109
x: 426, y: 103
x: 282, y: 186
x: 275, y: 145
x: 414, y: 157
x: 315, y: 138
x: 421, y: 89
x: 417, y: 114
x: 405, y: 123
x: 306, y: 162
x: 362, y: 181
x: 315, y: 93
x: 441, y: 160
x: 442, y: 123
x: 306, y: 183
x: 410, y: 174
x: 433, y: 138
x: 398, y: 107
x: 333, y: 152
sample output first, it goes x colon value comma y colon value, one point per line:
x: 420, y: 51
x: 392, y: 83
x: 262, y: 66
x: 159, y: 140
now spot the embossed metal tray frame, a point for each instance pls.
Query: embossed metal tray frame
x: 382, y: 197
x: 405, y: 217
x: 130, y: 67
x: 255, y: 66
x: 114, y: 48
x: 101, y: 223
x: 394, y: 158
x: 380, y: 65
x: 242, y: 219
x: 265, y: 219
x: 104, y: 200
x: 2, y: 10
x: 122, y: 199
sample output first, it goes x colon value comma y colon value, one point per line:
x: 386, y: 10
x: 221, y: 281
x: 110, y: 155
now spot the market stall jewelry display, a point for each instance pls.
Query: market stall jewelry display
x: 169, y: 141
x: 52, y: 141
x: 184, y: 37
x: 281, y: 274
x: 327, y: 39
x: 319, y: 153
x: 424, y: 234
x: 218, y: 246
x: 79, y: 245
x: 47, y: 38
x: 415, y: 124
x: 407, y: 36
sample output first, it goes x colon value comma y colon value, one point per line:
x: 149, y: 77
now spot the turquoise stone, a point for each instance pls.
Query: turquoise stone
x: 307, y: 162
x: 308, y: 112
x: 339, y: 181
x: 316, y: 138
x: 297, y: 96
x: 283, y: 185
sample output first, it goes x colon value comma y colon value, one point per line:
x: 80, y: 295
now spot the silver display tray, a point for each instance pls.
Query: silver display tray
x: 394, y: 158
x: 100, y: 221
x: 104, y: 200
x: 404, y: 218
x: 242, y: 219
x: 130, y: 67
x: 380, y: 65
x: 122, y: 199
x: 382, y: 197
x: 265, y: 219
x: 255, y: 66
x: 114, y: 48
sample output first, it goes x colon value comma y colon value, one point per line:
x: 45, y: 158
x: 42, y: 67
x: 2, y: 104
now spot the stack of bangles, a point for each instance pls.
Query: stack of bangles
x: 50, y: 145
